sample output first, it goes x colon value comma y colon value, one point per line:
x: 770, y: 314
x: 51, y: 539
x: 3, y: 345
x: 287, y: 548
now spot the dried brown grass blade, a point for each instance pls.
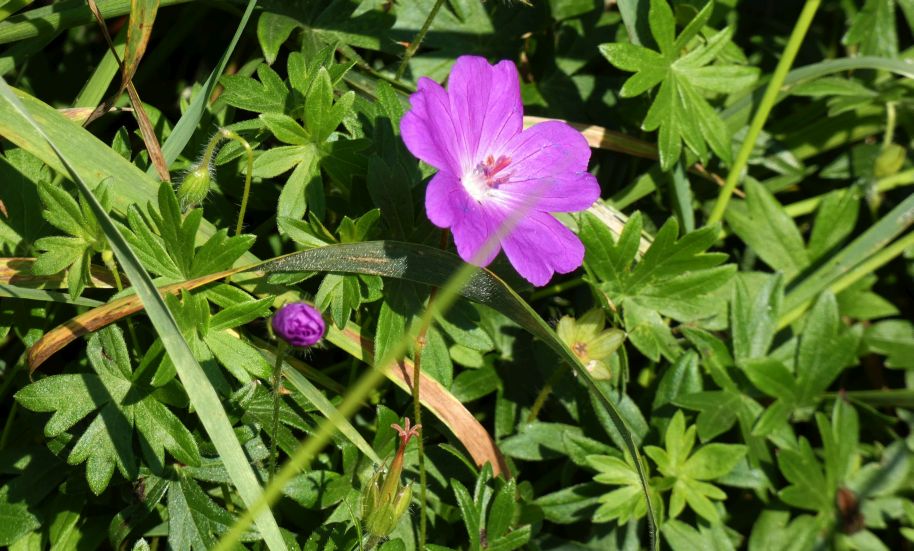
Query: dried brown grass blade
x: 18, y: 271
x: 146, y: 130
x: 97, y: 318
x: 438, y: 400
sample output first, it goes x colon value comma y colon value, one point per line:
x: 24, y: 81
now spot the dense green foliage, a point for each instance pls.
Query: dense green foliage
x: 742, y: 384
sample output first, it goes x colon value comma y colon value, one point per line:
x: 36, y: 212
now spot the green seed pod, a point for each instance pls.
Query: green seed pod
x: 194, y: 188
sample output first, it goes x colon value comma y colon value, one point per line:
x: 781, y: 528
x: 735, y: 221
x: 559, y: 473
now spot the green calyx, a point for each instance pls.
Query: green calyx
x: 195, y: 186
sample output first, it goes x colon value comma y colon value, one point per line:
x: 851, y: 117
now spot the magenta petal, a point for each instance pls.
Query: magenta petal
x: 540, y: 245
x: 428, y: 130
x: 448, y: 205
x: 485, y: 99
x: 549, y: 162
x: 442, y: 197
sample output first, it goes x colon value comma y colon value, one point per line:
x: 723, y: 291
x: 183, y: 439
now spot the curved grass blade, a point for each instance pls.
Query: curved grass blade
x: 54, y: 340
x: 199, y: 390
x: 431, y: 266
x: 18, y: 271
x: 816, y: 70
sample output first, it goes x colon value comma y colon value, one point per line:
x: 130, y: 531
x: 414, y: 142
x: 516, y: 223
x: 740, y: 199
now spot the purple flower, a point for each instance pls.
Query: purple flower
x: 496, y: 180
x: 299, y: 324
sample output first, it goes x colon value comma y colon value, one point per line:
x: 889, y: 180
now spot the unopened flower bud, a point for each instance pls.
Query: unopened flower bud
x: 195, y: 186
x: 386, y: 498
x: 299, y: 324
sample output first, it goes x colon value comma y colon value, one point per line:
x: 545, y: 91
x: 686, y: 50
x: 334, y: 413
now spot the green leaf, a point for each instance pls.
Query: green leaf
x: 340, y: 294
x: 808, y: 487
x: 679, y: 110
x: 511, y: 541
x: 37, y: 473
x: 575, y: 503
x: 893, y: 339
x: 277, y: 160
x: 674, y: 278
x: 501, y: 513
x: 121, y: 403
x: 719, y: 410
x: 241, y: 313
x: 240, y: 358
x: 266, y: 96
x: 713, y: 461
x: 773, y: 378
x: 273, y: 30
x: 824, y: 350
x: 161, y: 431
x: 754, y: 315
x: 194, y: 520
x: 874, y: 29
x: 313, y: 395
x: 680, y: 379
x: 468, y: 512
x: 835, y: 220
x: 765, y: 226
x: 538, y: 441
x: 774, y: 531
x: 284, y: 127
x: 317, y: 107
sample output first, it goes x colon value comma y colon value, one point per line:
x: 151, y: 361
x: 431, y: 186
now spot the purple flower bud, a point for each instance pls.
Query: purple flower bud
x: 299, y: 324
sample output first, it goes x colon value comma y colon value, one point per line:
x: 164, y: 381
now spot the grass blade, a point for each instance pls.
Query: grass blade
x: 199, y: 390
x: 60, y: 16
x: 12, y: 291
x: 880, y: 234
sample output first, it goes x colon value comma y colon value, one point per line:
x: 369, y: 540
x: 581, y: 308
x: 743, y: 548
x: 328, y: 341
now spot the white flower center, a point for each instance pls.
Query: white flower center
x: 487, y: 175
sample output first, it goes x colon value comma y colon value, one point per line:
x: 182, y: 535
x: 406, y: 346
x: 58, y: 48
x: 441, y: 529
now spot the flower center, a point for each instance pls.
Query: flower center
x: 580, y: 349
x: 487, y: 175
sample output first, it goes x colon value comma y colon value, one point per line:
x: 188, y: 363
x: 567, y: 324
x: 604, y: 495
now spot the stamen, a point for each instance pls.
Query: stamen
x: 488, y: 170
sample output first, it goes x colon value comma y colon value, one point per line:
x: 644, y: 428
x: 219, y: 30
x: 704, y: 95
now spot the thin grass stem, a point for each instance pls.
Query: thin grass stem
x: 764, y: 109
x: 863, y: 269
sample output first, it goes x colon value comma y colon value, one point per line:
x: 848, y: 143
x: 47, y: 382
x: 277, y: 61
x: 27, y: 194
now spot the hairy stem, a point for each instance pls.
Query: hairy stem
x: 417, y: 414
x: 414, y: 45
x: 249, y: 170
x: 545, y: 392
x: 277, y: 388
x: 764, y: 109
